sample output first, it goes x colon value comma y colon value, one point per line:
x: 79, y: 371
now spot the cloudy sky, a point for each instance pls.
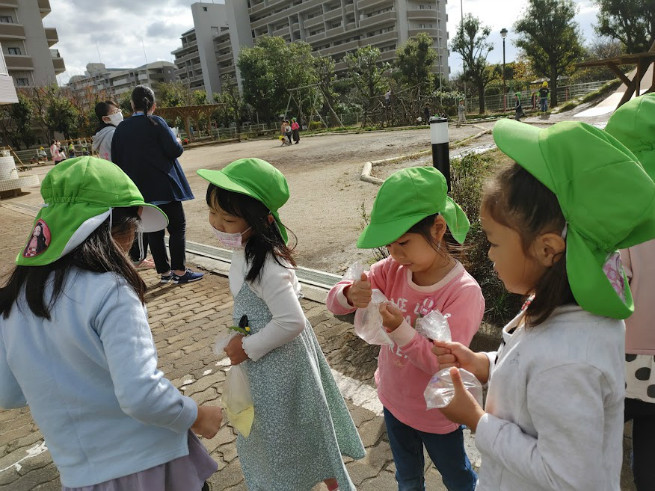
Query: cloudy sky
x: 126, y: 33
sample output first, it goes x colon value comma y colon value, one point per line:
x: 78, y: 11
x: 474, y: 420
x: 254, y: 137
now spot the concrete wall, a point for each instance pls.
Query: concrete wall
x: 36, y: 43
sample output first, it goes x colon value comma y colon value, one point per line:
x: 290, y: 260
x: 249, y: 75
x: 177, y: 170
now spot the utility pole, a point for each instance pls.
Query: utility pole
x: 503, y: 33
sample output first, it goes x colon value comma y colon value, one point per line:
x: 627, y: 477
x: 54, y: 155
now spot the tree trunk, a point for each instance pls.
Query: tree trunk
x: 553, y: 89
x: 481, y: 97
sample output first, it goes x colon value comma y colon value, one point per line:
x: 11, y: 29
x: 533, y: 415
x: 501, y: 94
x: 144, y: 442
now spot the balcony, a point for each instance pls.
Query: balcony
x: 11, y: 31
x: 51, y: 36
x: 313, y: 22
x: 374, y: 20
x: 426, y: 14
x: 44, y: 7
x: 11, y: 4
x: 19, y: 62
x: 369, y: 4
x: 433, y: 33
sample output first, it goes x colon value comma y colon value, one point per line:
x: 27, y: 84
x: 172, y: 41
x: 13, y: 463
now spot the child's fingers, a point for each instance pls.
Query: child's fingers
x: 457, y: 380
x: 363, y: 277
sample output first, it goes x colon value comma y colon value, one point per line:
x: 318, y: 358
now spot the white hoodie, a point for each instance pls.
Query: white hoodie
x: 102, y: 142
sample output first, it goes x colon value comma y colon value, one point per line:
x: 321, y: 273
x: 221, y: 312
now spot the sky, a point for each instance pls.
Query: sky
x: 130, y: 33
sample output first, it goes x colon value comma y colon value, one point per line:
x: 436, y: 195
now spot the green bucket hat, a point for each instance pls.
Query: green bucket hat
x: 78, y: 196
x: 407, y: 197
x: 255, y: 178
x: 633, y: 124
x: 605, y: 195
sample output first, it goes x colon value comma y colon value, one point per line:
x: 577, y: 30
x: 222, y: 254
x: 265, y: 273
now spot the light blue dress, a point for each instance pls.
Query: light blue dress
x: 302, y: 425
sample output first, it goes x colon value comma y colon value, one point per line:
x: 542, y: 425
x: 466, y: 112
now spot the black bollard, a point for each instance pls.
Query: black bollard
x: 440, y: 151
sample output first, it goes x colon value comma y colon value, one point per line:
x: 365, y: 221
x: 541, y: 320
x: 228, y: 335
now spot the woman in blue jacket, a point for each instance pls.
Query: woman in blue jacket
x: 146, y: 149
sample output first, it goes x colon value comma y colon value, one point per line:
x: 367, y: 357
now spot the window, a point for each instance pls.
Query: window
x: 22, y: 82
x: 7, y: 19
x: 13, y: 51
x: 204, y: 9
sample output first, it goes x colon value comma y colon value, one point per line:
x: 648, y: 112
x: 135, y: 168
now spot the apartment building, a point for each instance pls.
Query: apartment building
x: 27, y: 44
x: 187, y: 61
x: 7, y: 90
x: 333, y: 28
x: 115, y: 82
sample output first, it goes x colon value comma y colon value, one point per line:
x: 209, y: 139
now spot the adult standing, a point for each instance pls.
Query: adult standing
x: 110, y: 116
x: 56, y: 152
x: 295, y: 130
x: 147, y: 150
x: 543, y: 97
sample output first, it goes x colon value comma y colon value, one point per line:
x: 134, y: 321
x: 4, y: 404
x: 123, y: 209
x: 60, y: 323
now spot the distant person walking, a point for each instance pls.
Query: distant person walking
x: 543, y: 97
x: 518, y: 108
x: 147, y: 150
x: 426, y: 114
x: 461, y: 113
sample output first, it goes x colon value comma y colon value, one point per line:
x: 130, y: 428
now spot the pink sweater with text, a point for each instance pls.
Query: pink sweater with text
x: 405, y: 369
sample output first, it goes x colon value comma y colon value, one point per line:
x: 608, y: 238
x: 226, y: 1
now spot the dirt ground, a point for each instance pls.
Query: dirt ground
x: 323, y: 171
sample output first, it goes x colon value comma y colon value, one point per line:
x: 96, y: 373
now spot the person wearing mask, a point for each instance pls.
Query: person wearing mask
x: 110, y: 115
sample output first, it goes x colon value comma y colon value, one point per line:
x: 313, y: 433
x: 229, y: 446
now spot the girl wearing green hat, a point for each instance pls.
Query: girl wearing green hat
x: 301, y: 424
x: 411, y: 217
x: 75, y: 344
x: 555, y: 220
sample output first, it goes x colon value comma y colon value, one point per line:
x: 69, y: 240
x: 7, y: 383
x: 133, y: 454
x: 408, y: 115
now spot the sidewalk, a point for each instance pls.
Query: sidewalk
x: 185, y: 320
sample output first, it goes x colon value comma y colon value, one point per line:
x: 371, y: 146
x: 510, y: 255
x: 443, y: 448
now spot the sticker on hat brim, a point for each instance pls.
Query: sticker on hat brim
x: 39, y: 241
x: 613, y: 269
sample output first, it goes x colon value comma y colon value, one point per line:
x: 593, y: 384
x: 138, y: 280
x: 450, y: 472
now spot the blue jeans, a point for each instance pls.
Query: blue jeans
x: 543, y: 102
x: 446, y: 452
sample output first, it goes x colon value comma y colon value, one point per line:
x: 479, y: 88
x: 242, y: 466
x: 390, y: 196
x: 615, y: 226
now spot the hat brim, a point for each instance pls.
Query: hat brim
x: 218, y: 178
x: 152, y: 218
x: 589, y: 283
x: 383, y: 234
x: 520, y: 141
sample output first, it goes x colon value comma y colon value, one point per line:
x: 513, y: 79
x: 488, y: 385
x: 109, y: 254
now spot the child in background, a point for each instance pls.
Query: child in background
x: 110, y: 116
x: 56, y: 152
x: 554, y: 412
x: 461, y: 113
x: 76, y: 346
x: 301, y: 425
x: 633, y: 124
x: 410, y: 216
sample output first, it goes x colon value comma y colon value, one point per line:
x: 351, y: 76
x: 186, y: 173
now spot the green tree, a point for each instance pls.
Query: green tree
x: 326, y: 78
x: 234, y: 109
x: 367, y: 73
x: 16, y: 122
x: 62, y: 115
x: 472, y: 45
x: 270, y: 69
x: 550, y: 39
x: 415, y: 61
x: 630, y: 21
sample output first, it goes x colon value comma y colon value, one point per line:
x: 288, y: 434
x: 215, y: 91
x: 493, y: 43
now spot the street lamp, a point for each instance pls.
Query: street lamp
x: 503, y: 34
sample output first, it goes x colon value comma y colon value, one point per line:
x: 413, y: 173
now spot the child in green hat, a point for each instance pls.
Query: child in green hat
x: 301, y: 423
x: 411, y: 217
x: 633, y: 124
x: 555, y: 220
x: 75, y: 344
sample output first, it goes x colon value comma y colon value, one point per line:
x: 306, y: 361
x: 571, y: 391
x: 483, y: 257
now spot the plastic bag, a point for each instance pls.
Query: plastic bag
x: 221, y: 343
x: 434, y: 326
x: 368, y: 321
x: 354, y: 272
x: 440, y: 390
x: 237, y: 400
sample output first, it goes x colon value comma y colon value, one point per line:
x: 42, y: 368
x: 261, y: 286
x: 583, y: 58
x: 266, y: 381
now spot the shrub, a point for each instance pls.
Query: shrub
x: 467, y: 178
x: 316, y: 125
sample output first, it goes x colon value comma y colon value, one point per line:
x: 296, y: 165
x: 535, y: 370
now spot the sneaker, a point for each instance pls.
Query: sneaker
x: 188, y: 277
x: 167, y: 278
x: 145, y: 264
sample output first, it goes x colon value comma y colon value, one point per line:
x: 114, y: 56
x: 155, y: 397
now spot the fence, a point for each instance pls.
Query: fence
x: 494, y: 103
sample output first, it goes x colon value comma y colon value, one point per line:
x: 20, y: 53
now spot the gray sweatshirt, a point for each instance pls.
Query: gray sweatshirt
x: 555, y: 406
x: 102, y: 142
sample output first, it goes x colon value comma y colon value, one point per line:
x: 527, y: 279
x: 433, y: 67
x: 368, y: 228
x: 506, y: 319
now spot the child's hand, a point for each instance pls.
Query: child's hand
x: 234, y: 350
x: 359, y: 293
x: 463, y: 409
x: 208, y: 421
x: 392, y: 316
x: 451, y: 354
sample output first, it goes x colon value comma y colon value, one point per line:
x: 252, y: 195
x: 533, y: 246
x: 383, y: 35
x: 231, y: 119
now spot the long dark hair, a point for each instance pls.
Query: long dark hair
x: 516, y: 199
x: 265, y: 238
x: 99, y: 253
x: 102, y: 110
x: 143, y: 99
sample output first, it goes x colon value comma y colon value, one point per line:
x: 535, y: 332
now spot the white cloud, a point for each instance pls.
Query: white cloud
x: 122, y: 33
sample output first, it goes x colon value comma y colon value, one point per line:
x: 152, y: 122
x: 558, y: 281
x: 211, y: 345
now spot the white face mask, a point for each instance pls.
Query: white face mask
x: 115, y: 118
x: 230, y: 241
